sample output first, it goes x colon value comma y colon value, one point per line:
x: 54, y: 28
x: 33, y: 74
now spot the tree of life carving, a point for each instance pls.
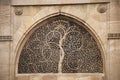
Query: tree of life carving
x: 60, y: 45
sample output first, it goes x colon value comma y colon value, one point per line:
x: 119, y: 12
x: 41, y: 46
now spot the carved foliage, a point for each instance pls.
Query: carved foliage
x: 60, y: 45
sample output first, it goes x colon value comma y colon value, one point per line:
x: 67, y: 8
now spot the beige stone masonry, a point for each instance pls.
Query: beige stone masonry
x: 55, y: 2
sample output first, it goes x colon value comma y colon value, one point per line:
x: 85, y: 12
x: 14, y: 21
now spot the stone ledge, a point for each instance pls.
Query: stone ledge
x: 5, y: 38
x: 55, y: 2
x: 113, y: 36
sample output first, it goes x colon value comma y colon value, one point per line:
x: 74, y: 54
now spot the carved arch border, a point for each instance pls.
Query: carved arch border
x: 23, y: 39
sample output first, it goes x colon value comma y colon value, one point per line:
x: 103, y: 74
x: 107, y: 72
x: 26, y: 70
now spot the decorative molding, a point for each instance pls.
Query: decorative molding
x: 114, y: 36
x: 5, y: 38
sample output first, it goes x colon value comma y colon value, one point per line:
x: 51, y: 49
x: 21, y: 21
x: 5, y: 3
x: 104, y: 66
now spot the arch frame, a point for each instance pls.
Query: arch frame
x: 29, y: 31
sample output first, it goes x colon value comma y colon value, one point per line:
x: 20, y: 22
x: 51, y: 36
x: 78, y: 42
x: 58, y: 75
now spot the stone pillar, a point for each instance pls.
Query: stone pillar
x: 5, y: 32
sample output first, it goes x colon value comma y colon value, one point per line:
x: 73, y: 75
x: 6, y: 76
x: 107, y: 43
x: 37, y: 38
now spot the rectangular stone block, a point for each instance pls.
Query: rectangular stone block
x: 4, y: 10
x: 115, y: 11
x: 115, y: 27
x: 4, y: 70
x: 51, y: 2
x: 4, y: 19
x: 4, y: 78
x: 5, y: 25
x: 4, y: 53
x: 23, y: 78
x: 115, y: 60
x: 5, y: 29
x: 5, y: 2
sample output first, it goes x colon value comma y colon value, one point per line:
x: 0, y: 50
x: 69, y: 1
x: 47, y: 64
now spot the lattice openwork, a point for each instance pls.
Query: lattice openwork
x: 60, y: 45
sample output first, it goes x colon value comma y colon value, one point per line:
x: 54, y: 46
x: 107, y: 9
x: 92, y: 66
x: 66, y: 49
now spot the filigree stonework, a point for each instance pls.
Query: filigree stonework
x: 60, y: 45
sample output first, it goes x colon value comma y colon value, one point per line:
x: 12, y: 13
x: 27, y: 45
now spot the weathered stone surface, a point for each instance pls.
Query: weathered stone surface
x: 4, y: 60
x: 114, y: 59
x: 24, y: 78
x: 5, y: 2
x: 115, y: 26
x: 4, y: 46
x: 100, y: 23
x: 114, y: 11
x: 5, y: 77
x: 4, y: 53
x: 49, y: 77
x: 4, y: 70
x: 4, y: 10
x: 5, y: 17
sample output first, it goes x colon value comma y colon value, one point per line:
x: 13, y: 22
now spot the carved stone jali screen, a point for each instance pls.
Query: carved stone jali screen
x: 60, y: 45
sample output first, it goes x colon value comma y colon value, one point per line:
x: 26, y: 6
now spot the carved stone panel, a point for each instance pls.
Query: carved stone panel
x: 60, y: 45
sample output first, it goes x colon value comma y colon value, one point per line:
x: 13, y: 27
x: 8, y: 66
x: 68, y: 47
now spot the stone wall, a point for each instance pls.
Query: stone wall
x: 17, y: 17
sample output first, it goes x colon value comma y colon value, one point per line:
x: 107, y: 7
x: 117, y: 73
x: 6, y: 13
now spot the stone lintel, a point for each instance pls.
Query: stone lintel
x: 55, y: 2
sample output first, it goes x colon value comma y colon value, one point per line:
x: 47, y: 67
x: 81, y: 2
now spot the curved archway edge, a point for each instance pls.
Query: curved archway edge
x: 22, y: 38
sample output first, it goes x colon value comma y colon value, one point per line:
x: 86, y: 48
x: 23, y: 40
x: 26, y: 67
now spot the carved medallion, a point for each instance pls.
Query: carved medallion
x: 102, y: 8
x: 18, y: 11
